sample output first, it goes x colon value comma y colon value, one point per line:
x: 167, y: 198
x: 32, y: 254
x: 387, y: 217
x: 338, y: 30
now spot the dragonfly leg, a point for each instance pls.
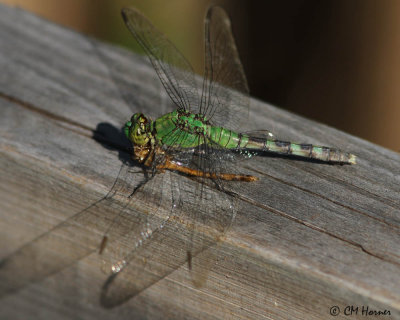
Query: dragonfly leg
x: 198, y: 173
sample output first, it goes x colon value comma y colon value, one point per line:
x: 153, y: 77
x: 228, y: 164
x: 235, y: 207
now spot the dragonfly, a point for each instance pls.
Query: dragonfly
x: 188, y: 198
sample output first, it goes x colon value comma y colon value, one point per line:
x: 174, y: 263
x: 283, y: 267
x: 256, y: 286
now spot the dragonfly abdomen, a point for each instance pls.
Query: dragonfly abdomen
x: 241, y: 141
x: 301, y: 150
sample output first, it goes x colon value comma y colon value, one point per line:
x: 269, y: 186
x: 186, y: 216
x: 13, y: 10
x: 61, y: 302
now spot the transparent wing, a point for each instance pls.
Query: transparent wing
x: 225, y: 95
x: 183, y: 217
x: 140, y: 249
x: 149, y: 210
x: 68, y: 242
x: 212, y: 207
x: 173, y: 69
x: 153, y: 260
x: 183, y: 227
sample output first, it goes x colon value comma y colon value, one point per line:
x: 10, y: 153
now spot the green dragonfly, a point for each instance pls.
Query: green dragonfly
x: 198, y: 138
x: 189, y: 196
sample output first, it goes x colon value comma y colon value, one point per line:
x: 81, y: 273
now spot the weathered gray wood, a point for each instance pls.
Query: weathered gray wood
x: 308, y: 236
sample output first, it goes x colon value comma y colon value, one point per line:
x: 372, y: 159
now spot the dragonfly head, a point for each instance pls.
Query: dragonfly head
x: 137, y: 130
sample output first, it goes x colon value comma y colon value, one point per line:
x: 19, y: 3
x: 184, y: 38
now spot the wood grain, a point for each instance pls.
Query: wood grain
x: 308, y: 236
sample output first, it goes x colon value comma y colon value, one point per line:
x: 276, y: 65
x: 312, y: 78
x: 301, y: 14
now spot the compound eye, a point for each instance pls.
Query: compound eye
x: 128, y: 124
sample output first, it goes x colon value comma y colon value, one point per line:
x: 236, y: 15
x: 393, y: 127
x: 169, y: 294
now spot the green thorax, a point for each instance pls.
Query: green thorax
x: 179, y: 128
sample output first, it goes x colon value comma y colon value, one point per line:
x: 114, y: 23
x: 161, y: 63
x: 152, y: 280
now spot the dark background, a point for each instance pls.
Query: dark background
x: 335, y: 61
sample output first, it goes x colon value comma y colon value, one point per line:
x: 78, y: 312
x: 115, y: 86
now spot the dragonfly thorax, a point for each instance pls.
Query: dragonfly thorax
x: 191, y: 122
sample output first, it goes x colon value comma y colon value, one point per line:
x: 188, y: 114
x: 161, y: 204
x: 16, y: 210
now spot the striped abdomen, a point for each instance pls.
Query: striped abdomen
x: 232, y: 140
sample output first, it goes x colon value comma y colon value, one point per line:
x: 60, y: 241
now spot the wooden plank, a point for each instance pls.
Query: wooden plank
x: 307, y: 237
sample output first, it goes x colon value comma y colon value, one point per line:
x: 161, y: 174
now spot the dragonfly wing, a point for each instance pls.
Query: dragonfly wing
x: 169, y: 239
x: 213, y: 213
x: 181, y: 218
x: 153, y: 260
x: 136, y: 254
x: 134, y: 225
x: 65, y: 244
x: 225, y: 95
x: 210, y: 208
x: 174, y: 71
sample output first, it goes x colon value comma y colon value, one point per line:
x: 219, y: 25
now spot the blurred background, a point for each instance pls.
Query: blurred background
x: 335, y: 61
